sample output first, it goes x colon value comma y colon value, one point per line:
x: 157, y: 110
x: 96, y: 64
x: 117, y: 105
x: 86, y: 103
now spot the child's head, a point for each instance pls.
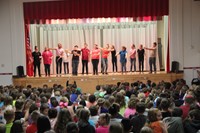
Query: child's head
x: 35, y: 115
x: 19, y: 104
x: 104, y: 119
x: 72, y: 127
x: 9, y: 116
x: 52, y: 113
x: 2, y: 128
x: 154, y: 115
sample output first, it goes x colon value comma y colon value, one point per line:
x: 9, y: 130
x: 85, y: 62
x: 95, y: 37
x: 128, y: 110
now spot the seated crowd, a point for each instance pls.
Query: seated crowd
x: 122, y: 108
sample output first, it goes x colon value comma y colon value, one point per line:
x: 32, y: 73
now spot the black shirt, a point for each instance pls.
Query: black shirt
x: 138, y: 121
x: 140, y: 54
x: 36, y: 57
x: 74, y: 52
x: 113, y: 53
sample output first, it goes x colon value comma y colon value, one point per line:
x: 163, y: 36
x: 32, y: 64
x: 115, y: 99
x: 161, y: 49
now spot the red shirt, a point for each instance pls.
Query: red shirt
x: 185, y: 109
x: 85, y: 53
x: 31, y: 128
x: 47, y: 57
x: 133, y: 53
x: 105, y: 53
x: 95, y: 53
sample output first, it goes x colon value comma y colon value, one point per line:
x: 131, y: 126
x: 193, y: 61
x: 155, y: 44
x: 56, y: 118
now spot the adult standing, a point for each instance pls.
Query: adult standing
x: 95, y: 58
x: 65, y: 58
x: 47, y: 59
x: 59, y: 53
x: 85, y: 58
x: 152, y: 57
x: 141, y: 52
x: 133, y: 58
x: 75, y: 60
x: 36, y: 61
x: 114, y: 58
x: 123, y: 59
x: 105, y: 53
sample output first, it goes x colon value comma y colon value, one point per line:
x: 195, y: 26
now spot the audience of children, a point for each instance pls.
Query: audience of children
x: 122, y: 108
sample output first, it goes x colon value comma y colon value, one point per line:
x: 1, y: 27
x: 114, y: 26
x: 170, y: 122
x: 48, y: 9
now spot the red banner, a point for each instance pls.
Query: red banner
x: 29, y: 58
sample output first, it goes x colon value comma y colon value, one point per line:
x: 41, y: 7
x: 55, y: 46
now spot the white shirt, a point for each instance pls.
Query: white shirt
x: 65, y: 57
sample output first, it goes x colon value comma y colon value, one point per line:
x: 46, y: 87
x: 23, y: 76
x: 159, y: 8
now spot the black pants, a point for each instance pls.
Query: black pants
x: 114, y: 65
x: 47, y: 69
x: 141, y: 65
x: 95, y: 63
x: 58, y: 65
x: 37, y: 65
x: 84, y: 65
x: 66, y: 67
x: 152, y: 62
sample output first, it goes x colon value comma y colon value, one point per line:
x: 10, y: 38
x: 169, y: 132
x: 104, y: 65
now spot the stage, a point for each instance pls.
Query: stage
x: 88, y: 82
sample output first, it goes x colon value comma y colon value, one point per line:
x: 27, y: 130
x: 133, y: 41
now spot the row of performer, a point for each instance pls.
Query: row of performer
x: 62, y: 57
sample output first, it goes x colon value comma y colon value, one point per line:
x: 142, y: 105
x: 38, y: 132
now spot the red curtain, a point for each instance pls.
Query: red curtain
x: 29, y: 58
x: 95, y: 9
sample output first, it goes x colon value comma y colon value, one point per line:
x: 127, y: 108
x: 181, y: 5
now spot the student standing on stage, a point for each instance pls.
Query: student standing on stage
x: 85, y: 58
x: 105, y: 53
x: 133, y: 58
x: 59, y: 52
x: 75, y: 60
x: 123, y: 59
x: 114, y: 58
x: 47, y: 59
x: 141, y: 52
x: 152, y: 57
x: 36, y: 61
x: 65, y: 58
x: 95, y: 58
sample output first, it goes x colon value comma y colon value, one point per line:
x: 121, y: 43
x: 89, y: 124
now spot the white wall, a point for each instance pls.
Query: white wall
x: 5, y: 42
x: 185, y: 35
x: 12, y: 52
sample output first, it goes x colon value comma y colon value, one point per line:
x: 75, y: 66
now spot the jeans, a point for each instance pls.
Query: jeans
x: 105, y: 65
x: 84, y: 65
x: 133, y: 63
x: 75, y: 67
x: 141, y: 64
x: 123, y: 67
x: 58, y: 65
x: 47, y: 69
x: 114, y: 65
x: 152, y: 62
x: 95, y: 63
x: 66, y: 67
x: 37, y: 65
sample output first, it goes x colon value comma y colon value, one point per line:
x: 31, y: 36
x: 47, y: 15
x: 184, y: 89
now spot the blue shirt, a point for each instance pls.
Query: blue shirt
x: 123, y: 56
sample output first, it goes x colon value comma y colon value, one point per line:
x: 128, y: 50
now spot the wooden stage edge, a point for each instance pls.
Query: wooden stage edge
x: 88, y: 82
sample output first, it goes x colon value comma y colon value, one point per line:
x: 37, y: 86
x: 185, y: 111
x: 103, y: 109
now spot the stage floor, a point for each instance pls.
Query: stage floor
x: 88, y: 82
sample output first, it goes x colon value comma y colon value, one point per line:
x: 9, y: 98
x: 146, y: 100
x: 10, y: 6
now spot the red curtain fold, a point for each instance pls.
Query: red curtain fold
x: 29, y: 58
x: 95, y: 8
